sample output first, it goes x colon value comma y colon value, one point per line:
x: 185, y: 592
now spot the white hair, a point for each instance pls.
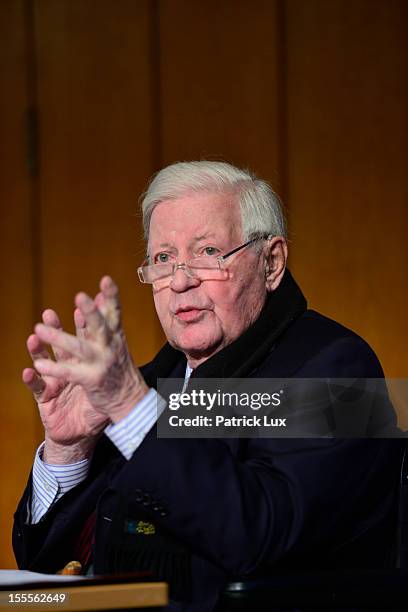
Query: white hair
x: 261, y: 210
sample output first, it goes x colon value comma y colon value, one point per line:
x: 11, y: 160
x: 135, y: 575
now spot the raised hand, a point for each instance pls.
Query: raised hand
x: 92, y: 381
x: 71, y: 424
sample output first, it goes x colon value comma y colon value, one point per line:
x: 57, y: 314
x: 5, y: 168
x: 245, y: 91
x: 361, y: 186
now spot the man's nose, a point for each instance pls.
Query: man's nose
x: 182, y: 281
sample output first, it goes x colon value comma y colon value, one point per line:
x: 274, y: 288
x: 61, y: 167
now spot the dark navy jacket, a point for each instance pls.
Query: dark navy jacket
x: 236, y: 506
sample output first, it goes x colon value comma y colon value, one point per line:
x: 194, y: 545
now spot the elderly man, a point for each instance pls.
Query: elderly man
x: 106, y: 490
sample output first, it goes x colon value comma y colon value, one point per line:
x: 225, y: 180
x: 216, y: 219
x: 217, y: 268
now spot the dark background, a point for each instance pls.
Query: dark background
x: 96, y: 95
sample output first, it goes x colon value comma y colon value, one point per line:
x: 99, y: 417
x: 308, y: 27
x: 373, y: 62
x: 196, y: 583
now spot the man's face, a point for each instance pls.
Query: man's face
x: 201, y: 317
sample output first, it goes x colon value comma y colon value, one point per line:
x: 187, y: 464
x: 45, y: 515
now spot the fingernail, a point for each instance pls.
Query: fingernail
x: 84, y: 302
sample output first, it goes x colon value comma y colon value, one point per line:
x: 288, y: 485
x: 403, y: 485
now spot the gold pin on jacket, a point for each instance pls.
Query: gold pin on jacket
x: 139, y: 527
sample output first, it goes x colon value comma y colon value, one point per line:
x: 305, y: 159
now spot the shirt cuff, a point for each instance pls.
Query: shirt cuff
x: 128, y: 433
x: 50, y: 482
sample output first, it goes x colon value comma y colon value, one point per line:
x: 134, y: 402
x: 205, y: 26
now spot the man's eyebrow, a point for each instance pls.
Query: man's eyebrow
x: 203, y: 237
x: 164, y: 245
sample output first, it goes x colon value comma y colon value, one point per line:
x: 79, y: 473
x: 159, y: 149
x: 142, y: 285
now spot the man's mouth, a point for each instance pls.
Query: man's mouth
x: 189, y: 314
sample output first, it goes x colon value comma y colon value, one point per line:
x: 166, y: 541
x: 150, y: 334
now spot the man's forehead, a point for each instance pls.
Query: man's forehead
x: 199, y: 217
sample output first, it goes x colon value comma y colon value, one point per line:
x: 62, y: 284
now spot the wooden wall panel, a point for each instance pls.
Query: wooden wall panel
x: 17, y: 411
x: 97, y: 128
x: 219, y: 79
x: 311, y: 95
x: 347, y: 170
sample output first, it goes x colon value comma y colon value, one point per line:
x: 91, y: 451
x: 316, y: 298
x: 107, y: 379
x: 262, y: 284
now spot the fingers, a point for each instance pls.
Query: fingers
x: 30, y: 377
x: 33, y: 381
x: 110, y: 306
x: 101, y: 315
x: 94, y: 320
x: 95, y: 323
x: 80, y: 325
x: 100, y: 302
x: 56, y: 369
x: 36, y: 348
x: 63, y: 342
x: 51, y: 318
x: 109, y: 287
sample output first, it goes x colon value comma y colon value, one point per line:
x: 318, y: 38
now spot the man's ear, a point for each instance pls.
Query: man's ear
x: 276, y: 255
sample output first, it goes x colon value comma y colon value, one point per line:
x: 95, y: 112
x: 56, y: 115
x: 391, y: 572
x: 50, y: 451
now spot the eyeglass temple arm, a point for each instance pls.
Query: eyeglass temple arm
x: 224, y: 257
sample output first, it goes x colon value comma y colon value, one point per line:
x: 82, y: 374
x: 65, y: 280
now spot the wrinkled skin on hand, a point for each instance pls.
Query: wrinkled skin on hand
x: 92, y: 381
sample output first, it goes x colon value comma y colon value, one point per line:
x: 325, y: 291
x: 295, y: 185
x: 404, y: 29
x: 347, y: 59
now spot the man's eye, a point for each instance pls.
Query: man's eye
x: 210, y: 251
x: 162, y: 258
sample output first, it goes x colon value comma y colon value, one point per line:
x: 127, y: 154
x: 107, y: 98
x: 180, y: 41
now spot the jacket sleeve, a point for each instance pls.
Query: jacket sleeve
x: 48, y: 545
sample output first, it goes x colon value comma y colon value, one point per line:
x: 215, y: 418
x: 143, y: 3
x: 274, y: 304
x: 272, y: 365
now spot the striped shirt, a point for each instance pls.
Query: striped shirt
x: 51, y: 482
